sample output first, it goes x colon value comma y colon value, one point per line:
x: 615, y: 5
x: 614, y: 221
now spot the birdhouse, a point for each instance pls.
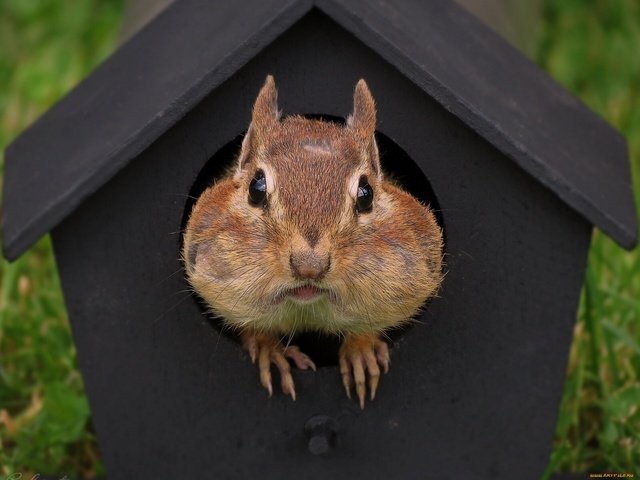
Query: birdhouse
x: 518, y: 169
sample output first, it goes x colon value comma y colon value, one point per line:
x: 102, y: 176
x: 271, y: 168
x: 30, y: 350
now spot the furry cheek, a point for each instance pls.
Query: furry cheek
x: 207, y: 263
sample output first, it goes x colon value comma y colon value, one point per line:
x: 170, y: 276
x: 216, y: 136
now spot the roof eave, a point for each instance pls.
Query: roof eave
x: 18, y: 236
x: 377, y: 29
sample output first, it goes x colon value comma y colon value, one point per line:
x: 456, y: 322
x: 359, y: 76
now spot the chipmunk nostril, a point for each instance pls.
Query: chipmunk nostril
x: 309, y: 265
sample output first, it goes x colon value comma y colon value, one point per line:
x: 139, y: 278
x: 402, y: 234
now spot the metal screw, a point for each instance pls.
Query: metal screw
x: 321, y: 432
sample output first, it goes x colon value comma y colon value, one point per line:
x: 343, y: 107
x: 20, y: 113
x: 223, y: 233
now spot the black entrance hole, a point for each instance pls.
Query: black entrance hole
x: 396, y: 164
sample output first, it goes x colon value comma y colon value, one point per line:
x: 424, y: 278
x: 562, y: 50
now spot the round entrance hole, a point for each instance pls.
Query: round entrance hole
x: 398, y: 167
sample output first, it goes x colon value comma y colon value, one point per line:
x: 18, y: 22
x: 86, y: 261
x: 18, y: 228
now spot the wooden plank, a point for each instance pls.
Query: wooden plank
x: 126, y: 103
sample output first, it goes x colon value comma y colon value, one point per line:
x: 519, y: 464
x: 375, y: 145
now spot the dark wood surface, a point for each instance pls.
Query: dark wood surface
x: 507, y: 99
x: 191, y: 48
x: 474, y: 389
x: 126, y: 104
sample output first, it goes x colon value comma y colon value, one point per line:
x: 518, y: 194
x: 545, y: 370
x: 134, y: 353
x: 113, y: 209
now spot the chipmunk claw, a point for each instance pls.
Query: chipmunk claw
x: 361, y: 356
x: 302, y: 360
x: 382, y: 354
x: 268, y: 350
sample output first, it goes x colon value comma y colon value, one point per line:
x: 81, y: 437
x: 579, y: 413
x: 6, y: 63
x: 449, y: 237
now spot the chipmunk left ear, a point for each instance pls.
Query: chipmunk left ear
x: 265, y: 118
x: 362, y: 122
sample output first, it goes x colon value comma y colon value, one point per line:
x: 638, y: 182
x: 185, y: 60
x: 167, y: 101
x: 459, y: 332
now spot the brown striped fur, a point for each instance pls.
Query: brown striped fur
x: 383, y: 265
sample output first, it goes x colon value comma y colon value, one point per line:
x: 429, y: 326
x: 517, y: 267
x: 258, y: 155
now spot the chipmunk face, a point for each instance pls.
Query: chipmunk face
x: 302, y: 235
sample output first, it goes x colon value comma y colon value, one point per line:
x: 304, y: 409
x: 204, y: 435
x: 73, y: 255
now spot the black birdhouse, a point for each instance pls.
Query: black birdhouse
x: 520, y: 172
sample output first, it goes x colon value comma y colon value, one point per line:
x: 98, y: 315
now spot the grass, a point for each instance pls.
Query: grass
x: 46, y: 46
x: 592, y: 48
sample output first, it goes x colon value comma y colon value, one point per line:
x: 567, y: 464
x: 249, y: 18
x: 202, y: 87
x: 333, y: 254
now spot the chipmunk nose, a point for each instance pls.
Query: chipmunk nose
x: 309, y: 265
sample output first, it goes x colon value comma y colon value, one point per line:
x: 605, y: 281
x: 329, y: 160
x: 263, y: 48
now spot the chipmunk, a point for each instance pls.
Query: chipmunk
x: 306, y: 234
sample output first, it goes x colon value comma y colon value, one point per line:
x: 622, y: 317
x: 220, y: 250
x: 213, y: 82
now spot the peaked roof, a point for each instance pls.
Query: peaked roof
x: 78, y: 145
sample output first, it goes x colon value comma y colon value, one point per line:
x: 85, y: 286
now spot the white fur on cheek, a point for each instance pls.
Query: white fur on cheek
x: 353, y: 183
x: 269, y: 176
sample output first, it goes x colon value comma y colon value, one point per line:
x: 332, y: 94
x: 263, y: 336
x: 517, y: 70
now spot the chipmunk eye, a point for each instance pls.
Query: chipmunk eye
x: 258, y: 189
x: 364, y: 197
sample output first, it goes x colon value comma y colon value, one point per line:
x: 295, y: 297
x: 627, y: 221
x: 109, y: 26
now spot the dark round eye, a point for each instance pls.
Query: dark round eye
x: 258, y: 189
x: 364, y: 198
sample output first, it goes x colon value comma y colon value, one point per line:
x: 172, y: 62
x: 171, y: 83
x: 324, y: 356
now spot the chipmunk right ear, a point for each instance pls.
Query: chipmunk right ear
x: 265, y: 117
x: 362, y: 122
x: 363, y: 119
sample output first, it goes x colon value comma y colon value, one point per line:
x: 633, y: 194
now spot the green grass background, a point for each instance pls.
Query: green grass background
x: 47, y: 46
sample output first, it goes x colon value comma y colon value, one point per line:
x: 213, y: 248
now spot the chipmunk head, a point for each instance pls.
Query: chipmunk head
x: 312, y: 178
x: 305, y: 229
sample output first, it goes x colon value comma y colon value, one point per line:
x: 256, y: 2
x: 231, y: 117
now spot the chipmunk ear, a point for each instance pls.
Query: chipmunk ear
x: 265, y: 117
x: 363, y: 123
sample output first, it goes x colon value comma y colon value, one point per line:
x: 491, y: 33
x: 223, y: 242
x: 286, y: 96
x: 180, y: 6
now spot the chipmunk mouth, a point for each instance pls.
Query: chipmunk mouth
x: 304, y: 294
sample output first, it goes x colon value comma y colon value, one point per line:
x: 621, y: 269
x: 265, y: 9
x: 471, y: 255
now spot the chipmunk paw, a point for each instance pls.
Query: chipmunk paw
x: 302, y: 360
x: 267, y: 350
x: 359, y: 355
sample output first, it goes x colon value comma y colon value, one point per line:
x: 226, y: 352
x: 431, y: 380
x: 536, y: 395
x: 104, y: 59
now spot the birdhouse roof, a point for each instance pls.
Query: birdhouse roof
x: 154, y: 79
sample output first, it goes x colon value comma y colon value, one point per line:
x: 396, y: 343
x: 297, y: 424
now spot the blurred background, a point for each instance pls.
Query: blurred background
x: 47, y: 46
